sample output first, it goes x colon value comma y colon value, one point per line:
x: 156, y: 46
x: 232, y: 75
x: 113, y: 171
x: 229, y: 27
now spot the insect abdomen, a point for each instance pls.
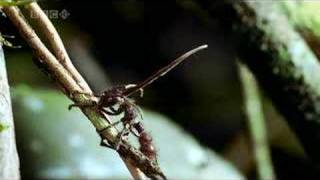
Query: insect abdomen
x: 146, y: 146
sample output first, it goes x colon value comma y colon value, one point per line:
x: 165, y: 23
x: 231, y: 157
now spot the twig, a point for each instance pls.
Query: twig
x: 134, y: 171
x: 256, y: 123
x: 282, y: 62
x: 72, y: 89
x: 44, y: 55
x: 55, y: 42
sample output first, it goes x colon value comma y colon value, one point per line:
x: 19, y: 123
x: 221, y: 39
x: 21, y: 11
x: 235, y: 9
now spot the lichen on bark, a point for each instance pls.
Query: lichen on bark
x: 281, y: 60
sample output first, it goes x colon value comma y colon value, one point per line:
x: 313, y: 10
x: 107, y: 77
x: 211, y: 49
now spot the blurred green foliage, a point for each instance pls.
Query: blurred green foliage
x: 56, y: 143
x: 3, y: 127
x: 14, y: 2
x: 303, y: 14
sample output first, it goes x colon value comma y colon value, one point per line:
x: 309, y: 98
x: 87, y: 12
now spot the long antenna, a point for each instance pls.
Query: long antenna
x: 163, y: 70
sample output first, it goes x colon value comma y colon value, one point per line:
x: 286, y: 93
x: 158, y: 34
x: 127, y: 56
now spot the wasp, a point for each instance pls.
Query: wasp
x: 116, y: 101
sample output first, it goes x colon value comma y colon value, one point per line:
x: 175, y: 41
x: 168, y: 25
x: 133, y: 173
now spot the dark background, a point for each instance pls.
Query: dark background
x: 131, y: 39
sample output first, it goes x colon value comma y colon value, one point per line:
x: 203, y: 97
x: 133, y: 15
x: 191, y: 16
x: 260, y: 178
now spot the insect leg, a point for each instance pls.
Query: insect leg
x: 105, y: 142
x: 116, y: 111
x: 125, y: 132
x: 134, y: 132
x: 137, y: 128
x: 113, y: 112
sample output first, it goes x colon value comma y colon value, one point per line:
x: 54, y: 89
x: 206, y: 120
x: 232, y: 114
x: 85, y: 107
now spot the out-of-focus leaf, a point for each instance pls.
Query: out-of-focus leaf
x: 57, y: 143
x: 3, y: 127
x: 303, y: 14
x: 14, y: 2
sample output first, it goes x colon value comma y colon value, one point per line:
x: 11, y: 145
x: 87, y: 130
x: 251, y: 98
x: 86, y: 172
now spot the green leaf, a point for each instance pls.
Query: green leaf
x: 15, y: 2
x: 3, y: 127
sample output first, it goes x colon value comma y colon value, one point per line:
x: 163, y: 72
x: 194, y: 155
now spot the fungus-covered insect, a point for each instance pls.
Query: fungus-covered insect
x: 118, y: 96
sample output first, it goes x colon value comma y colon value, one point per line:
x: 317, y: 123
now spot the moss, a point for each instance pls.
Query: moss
x: 3, y: 127
x: 282, y: 62
x: 303, y: 14
x: 283, y: 53
x: 14, y: 2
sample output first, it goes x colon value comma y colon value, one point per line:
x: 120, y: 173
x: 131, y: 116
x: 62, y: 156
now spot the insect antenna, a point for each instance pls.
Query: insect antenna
x: 163, y: 70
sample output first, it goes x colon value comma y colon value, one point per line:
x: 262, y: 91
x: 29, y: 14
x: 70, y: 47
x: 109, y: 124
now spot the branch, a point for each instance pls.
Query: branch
x: 56, y: 43
x: 303, y: 16
x: 284, y: 65
x: 40, y: 50
x: 72, y: 89
x: 9, y: 161
x: 256, y: 122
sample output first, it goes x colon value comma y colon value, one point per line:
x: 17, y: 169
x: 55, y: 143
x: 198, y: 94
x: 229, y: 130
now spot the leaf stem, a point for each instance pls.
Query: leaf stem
x: 256, y: 122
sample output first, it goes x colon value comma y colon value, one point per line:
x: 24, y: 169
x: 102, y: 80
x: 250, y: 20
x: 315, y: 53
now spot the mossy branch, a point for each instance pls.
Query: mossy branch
x: 303, y: 15
x: 280, y: 59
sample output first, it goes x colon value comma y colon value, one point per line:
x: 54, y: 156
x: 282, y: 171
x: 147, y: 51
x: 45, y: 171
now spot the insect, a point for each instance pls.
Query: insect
x: 146, y: 146
x: 119, y: 96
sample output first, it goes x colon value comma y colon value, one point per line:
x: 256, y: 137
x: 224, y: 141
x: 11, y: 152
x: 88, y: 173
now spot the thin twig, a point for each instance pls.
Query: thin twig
x: 37, y: 14
x: 72, y: 89
x: 134, y: 171
x: 256, y: 123
x: 44, y: 55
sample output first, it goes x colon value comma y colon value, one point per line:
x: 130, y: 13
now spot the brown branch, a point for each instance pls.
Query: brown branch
x: 137, y: 161
x: 133, y: 170
x: 40, y: 50
x: 55, y: 42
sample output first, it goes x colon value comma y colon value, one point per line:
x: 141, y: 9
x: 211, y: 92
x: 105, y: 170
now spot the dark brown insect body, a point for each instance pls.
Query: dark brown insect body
x: 146, y: 146
x: 115, y: 96
x: 111, y: 96
x: 118, y: 97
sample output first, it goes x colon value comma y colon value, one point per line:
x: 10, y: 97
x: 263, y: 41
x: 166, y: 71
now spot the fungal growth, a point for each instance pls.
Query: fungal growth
x: 116, y: 101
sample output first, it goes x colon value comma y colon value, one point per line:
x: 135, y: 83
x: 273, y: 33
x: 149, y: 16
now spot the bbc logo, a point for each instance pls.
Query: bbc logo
x: 54, y: 14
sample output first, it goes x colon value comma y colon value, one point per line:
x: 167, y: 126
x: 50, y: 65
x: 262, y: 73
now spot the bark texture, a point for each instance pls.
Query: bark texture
x: 283, y: 63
